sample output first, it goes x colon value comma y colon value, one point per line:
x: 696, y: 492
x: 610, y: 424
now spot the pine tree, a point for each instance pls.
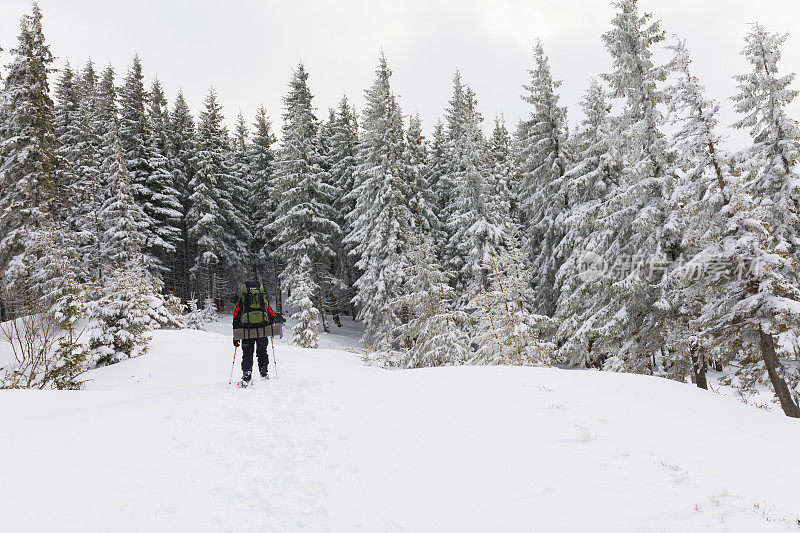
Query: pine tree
x: 342, y: 144
x: 592, y: 179
x: 68, y: 131
x: 134, y: 135
x: 501, y: 170
x: 699, y: 211
x: 29, y: 163
x: 636, y: 242
x: 123, y: 219
x: 437, y: 166
x: 761, y: 301
x: 47, y: 278
x: 478, y: 225
x: 305, y: 332
x: 235, y: 198
x: 165, y: 206
x: 444, y: 170
x: 434, y: 334
x: 543, y: 164
x: 88, y: 190
x: 506, y: 332
x: 107, y: 105
x: 305, y: 221
x: 69, y: 307
x: 262, y: 196
x: 121, y: 320
x: 424, y: 199
x: 206, y: 217
x: 382, y: 218
x: 183, y: 145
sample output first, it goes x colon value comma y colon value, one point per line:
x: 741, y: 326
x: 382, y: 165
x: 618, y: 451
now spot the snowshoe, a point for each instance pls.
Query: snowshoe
x: 245, y: 381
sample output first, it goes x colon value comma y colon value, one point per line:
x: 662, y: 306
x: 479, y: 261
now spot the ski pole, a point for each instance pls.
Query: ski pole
x: 233, y: 365
x: 274, y: 359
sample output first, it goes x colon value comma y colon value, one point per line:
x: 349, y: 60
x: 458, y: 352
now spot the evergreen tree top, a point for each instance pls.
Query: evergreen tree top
x: 630, y: 43
x: 211, y: 126
x: 241, y: 134
x: 181, y: 117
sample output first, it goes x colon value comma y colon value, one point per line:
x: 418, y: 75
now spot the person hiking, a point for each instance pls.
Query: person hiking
x: 253, y: 311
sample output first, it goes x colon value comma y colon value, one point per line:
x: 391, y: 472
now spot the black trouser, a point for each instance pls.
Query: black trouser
x: 260, y: 346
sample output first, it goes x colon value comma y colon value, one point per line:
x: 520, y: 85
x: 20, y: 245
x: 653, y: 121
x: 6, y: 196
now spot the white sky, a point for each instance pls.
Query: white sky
x: 247, y: 48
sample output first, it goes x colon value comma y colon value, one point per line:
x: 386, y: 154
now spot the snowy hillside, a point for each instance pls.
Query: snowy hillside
x: 160, y: 443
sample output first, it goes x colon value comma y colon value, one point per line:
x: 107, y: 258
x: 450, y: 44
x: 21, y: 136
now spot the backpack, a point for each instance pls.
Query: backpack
x: 255, y: 307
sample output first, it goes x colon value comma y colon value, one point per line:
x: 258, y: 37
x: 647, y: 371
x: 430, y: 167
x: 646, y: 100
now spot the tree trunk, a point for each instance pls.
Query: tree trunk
x: 699, y: 369
x: 325, y: 326
x: 775, y: 376
x: 335, y: 313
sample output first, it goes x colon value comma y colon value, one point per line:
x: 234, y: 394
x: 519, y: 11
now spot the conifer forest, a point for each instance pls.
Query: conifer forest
x: 620, y: 236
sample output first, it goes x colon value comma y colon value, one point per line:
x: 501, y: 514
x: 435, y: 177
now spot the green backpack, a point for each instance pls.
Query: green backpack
x: 255, y: 305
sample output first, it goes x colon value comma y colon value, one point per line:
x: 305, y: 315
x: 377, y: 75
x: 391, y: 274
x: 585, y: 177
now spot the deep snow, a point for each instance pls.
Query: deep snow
x: 160, y: 443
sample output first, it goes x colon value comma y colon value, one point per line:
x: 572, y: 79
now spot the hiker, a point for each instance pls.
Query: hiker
x: 253, y: 311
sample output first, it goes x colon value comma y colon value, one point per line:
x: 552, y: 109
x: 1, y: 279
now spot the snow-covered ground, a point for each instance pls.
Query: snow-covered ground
x: 160, y: 443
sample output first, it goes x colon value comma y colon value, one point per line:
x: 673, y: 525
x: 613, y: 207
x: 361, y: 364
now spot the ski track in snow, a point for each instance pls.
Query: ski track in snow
x: 160, y: 443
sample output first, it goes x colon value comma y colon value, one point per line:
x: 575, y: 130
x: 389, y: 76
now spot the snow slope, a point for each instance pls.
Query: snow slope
x: 160, y: 443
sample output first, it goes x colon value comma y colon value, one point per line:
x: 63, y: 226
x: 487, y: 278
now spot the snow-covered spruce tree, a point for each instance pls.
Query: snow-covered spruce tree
x: 542, y: 167
x: 46, y: 281
x: 342, y: 145
x: 240, y: 189
x: 634, y: 215
x: 69, y: 306
x: 436, y: 168
x: 194, y: 316
x: 305, y: 216
x: 305, y: 332
x: 182, y: 144
x: 699, y: 211
x: 165, y: 210
x: 54, y: 278
x: 129, y: 304
x: 40, y: 271
x: 133, y: 138
x: 206, y: 220
x: 261, y: 160
x: 67, y: 126
x: 505, y: 330
x: 122, y: 321
x: 29, y: 163
x: 381, y: 222
x: 595, y: 175
x: 434, y: 334
x: 121, y: 217
x: 233, y: 201
x: 331, y: 298
x: 124, y: 220
x: 151, y: 182
x: 417, y: 162
x: 761, y: 302
x: 502, y: 170
x: 479, y: 225
x: 443, y: 179
x: 84, y: 152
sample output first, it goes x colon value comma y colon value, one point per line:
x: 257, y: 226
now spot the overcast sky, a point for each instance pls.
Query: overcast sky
x: 247, y: 49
